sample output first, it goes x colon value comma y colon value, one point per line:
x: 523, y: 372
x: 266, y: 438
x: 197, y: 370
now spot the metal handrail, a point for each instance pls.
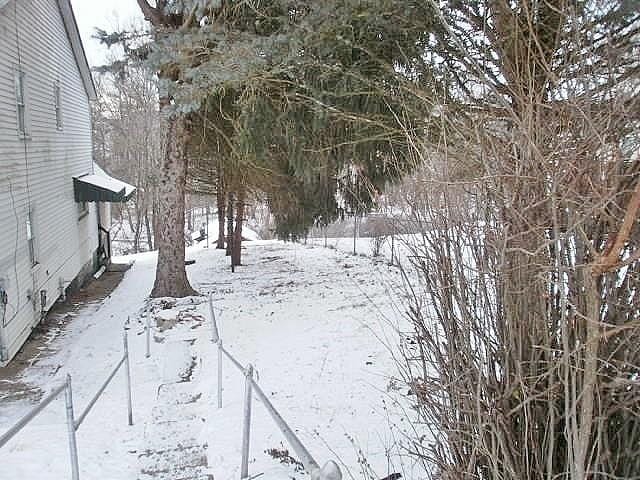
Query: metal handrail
x: 246, y: 423
x: 305, y: 457
x: 95, y: 398
x: 71, y: 431
x: 72, y: 423
x: 20, y: 424
x: 230, y: 357
x: 330, y: 471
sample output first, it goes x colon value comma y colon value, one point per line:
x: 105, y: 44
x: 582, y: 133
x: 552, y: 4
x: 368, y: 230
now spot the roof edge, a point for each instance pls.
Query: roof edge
x: 70, y: 24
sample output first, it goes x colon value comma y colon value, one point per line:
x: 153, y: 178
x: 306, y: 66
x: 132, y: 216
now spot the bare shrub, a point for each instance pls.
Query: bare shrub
x: 522, y: 282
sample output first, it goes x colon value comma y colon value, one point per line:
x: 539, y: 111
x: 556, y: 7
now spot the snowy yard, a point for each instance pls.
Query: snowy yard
x: 314, y: 323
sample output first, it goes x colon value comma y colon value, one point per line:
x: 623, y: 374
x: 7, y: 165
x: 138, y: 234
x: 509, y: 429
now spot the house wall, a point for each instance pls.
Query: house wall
x: 36, y: 172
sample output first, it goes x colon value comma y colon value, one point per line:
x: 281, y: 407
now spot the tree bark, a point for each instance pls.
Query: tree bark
x: 171, y: 276
x: 155, y: 215
x: 148, y: 227
x: 229, y: 224
x: 221, y: 209
x: 189, y: 210
x: 236, y: 251
x: 138, y: 231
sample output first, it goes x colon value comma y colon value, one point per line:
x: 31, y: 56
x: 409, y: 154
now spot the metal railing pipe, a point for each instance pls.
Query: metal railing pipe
x: 305, y: 457
x: 92, y: 402
x: 148, y: 337
x: 330, y: 471
x: 71, y: 430
x: 246, y: 423
x: 20, y: 424
x: 220, y: 372
x: 233, y: 360
x: 127, y: 369
x: 215, y: 334
x: 72, y: 423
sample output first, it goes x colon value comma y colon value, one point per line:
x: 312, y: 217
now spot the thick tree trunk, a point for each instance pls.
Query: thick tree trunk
x: 221, y: 214
x: 236, y: 252
x: 138, y: 231
x: 132, y: 228
x: 355, y: 233
x: 148, y: 227
x: 207, y: 213
x: 221, y: 210
x: 155, y: 215
x: 189, y: 210
x: 230, y: 224
x: 171, y: 276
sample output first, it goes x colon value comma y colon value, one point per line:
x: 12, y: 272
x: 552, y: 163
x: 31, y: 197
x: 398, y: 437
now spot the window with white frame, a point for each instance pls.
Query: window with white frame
x: 57, y: 104
x: 21, y: 107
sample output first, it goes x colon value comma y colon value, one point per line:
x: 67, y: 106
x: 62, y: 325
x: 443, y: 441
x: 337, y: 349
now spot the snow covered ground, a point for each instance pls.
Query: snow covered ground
x: 315, y: 323
x: 122, y: 236
x: 367, y: 246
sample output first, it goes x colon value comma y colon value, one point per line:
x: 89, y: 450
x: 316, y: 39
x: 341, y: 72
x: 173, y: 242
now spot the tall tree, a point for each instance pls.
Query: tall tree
x: 320, y: 99
x: 316, y: 95
x: 171, y: 276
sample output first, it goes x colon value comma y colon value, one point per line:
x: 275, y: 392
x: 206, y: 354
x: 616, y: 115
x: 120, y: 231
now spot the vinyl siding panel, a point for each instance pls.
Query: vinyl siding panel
x: 36, y: 173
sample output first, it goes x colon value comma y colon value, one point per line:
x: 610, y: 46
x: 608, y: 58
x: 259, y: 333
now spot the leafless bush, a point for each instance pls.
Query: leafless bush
x: 126, y: 143
x: 523, y: 281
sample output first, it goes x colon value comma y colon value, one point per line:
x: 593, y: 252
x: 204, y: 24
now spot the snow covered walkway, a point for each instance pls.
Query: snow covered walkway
x: 310, y: 320
x: 173, y: 449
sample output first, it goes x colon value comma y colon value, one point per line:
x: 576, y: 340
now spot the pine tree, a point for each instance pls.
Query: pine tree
x: 321, y: 97
x: 317, y: 92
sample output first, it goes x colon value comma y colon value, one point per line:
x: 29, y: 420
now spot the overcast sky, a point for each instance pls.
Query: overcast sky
x: 107, y: 15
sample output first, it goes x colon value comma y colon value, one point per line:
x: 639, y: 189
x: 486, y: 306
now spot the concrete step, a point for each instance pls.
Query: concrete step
x: 178, y: 393
x: 175, y: 413
x: 180, y: 462
x: 168, y: 434
x: 176, y: 476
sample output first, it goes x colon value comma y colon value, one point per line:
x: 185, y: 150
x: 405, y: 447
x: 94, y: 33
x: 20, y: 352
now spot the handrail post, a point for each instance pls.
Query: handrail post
x: 215, y: 334
x: 219, y: 373
x: 148, y: 339
x: 71, y: 429
x: 215, y: 338
x: 246, y: 427
x: 330, y: 471
x: 127, y: 370
x: 303, y: 454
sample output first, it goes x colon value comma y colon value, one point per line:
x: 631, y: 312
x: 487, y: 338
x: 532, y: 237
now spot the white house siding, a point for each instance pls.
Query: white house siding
x: 37, y: 173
